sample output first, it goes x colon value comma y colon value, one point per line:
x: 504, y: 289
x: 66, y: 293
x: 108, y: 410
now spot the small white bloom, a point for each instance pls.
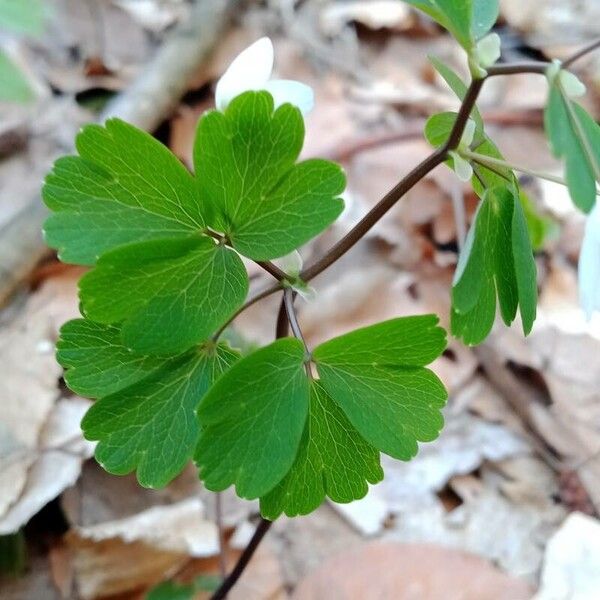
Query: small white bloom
x: 251, y: 70
x: 572, y: 86
x: 462, y: 167
x: 589, y: 264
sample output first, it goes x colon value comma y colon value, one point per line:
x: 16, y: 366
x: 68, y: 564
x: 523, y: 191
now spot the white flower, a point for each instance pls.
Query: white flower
x: 251, y: 70
x: 589, y: 264
x: 570, y: 84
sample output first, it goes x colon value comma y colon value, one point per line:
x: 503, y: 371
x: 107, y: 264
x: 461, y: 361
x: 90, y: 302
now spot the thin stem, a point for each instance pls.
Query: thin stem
x: 373, y: 216
x: 487, y: 161
x: 400, y: 189
x: 288, y: 301
x: 517, y: 68
x: 243, y: 561
x: 283, y: 323
x: 272, y: 269
x: 581, y: 53
x: 259, y: 296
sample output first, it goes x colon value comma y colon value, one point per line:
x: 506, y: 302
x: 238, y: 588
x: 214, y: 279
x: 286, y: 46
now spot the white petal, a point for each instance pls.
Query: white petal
x: 250, y: 70
x: 571, y: 84
x: 294, y: 92
x: 462, y: 167
x: 589, y: 265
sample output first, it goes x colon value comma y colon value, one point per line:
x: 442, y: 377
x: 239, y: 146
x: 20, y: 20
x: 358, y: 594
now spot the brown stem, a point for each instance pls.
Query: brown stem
x: 581, y: 53
x: 243, y: 561
x: 272, y: 269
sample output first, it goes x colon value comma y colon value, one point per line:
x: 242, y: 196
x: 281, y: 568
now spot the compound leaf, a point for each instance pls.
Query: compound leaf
x: 333, y: 460
x: 169, y: 294
x: 95, y: 360
x: 150, y: 426
x: 124, y: 187
x: 385, y: 392
x: 497, y: 260
x: 252, y: 420
x: 261, y: 200
x: 575, y: 137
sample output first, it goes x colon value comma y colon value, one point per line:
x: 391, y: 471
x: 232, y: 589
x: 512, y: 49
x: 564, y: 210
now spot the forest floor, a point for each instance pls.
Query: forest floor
x: 503, y: 505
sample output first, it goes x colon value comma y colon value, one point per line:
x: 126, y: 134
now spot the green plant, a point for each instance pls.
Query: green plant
x: 286, y: 423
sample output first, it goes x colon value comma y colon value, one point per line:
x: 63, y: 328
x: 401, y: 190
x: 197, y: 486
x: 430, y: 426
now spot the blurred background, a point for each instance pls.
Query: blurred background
x: 503, y: 506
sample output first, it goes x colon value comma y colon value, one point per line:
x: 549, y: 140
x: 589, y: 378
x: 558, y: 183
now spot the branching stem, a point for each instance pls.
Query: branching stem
x: 287, y: 316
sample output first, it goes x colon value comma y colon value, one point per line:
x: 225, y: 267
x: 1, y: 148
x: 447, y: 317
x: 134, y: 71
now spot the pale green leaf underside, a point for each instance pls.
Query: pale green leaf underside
x: 151, y: 426
x: 13, y: 85
x: 245, y: 166
x: 252, y: 420
x: 124, y: 187
x: 575, y: 137
x: 333, y: 461
x: 169, y: 294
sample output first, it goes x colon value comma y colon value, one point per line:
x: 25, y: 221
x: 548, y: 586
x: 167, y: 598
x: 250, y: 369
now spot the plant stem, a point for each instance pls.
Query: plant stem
x: 243, y: 561
x: 486, y: 161
x: 287, y: 317
x: 288, y: 301
x: 272, y: 269
x: 400, y: 189
x: 259, y: 296
x: 581, y: 53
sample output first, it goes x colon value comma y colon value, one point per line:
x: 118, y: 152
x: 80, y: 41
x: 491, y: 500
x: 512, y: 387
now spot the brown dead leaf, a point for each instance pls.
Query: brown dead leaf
x: 140, y: 550
x: 37, y: 435
x: 409, y: 572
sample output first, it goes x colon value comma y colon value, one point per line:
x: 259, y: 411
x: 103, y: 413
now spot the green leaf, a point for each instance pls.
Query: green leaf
x: 253, y: 419
x: 456, y: 84
x: 333, y: 460
x: 22, y: 16
x: 124, y: 187
x: 13, y: 85
x: 485, y: 15
x: 150, y: 426
x: 261, y: 200
x: 96, y: 361
x: 376, y: 376
x: 497, y: 260
x: 575, y: 137
x: 452, y: 15
x: 467, y: 20
x: 540, y: 227
x: 169, y: 294
x: 169, y: 590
